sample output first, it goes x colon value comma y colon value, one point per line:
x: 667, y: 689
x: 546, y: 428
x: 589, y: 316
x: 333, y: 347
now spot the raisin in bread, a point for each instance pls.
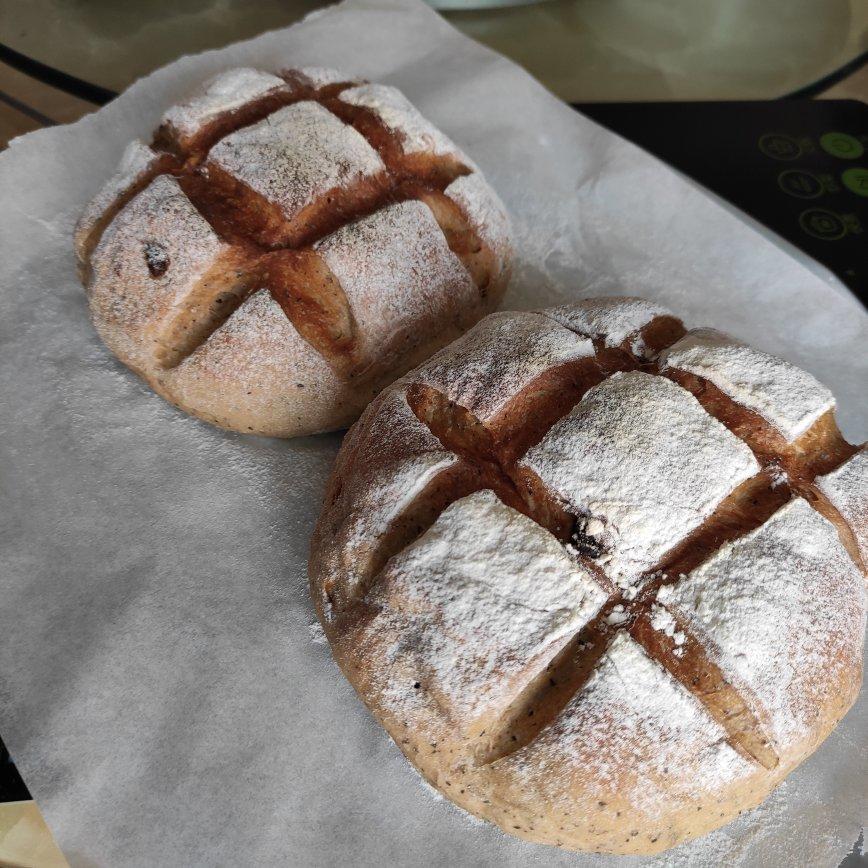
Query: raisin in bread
x: 601, y: 579
x: 286, y: 246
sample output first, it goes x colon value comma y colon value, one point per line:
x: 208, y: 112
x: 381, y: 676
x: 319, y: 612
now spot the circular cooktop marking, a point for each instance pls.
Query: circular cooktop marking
x: 779, y: 147
x: 856, y: 180
x: 801, y: 184
x: 842, y: 145
x: 822, y: 224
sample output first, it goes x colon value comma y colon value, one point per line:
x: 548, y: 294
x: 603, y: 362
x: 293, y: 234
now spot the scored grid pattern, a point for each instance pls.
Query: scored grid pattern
x: 745, y: 509
x: 272, y: 239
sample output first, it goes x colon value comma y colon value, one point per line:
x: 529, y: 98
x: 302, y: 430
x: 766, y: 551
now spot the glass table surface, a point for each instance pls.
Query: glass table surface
x: 583, y: 50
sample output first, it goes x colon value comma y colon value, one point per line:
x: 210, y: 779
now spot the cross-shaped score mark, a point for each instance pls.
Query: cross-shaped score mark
x: 496, y: 451
x: 271, y: 265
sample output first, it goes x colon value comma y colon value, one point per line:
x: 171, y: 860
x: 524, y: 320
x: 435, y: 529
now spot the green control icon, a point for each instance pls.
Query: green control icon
x: 842, y: 145
x: 856, y: 180
x: 822, y: 224
x: 779, y: 147
x: 801, y: 184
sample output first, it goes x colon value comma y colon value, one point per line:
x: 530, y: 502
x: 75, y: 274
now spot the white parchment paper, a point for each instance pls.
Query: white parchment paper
x: 163, y: 689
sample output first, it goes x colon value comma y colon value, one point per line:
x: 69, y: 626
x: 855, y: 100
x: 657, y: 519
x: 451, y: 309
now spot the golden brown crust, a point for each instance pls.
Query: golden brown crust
x: 271, y: 182
x: 642, y: 730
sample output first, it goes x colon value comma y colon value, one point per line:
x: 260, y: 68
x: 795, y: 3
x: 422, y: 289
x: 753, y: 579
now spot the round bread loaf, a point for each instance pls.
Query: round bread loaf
x: 286, y: 246
x: 601, y: 579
